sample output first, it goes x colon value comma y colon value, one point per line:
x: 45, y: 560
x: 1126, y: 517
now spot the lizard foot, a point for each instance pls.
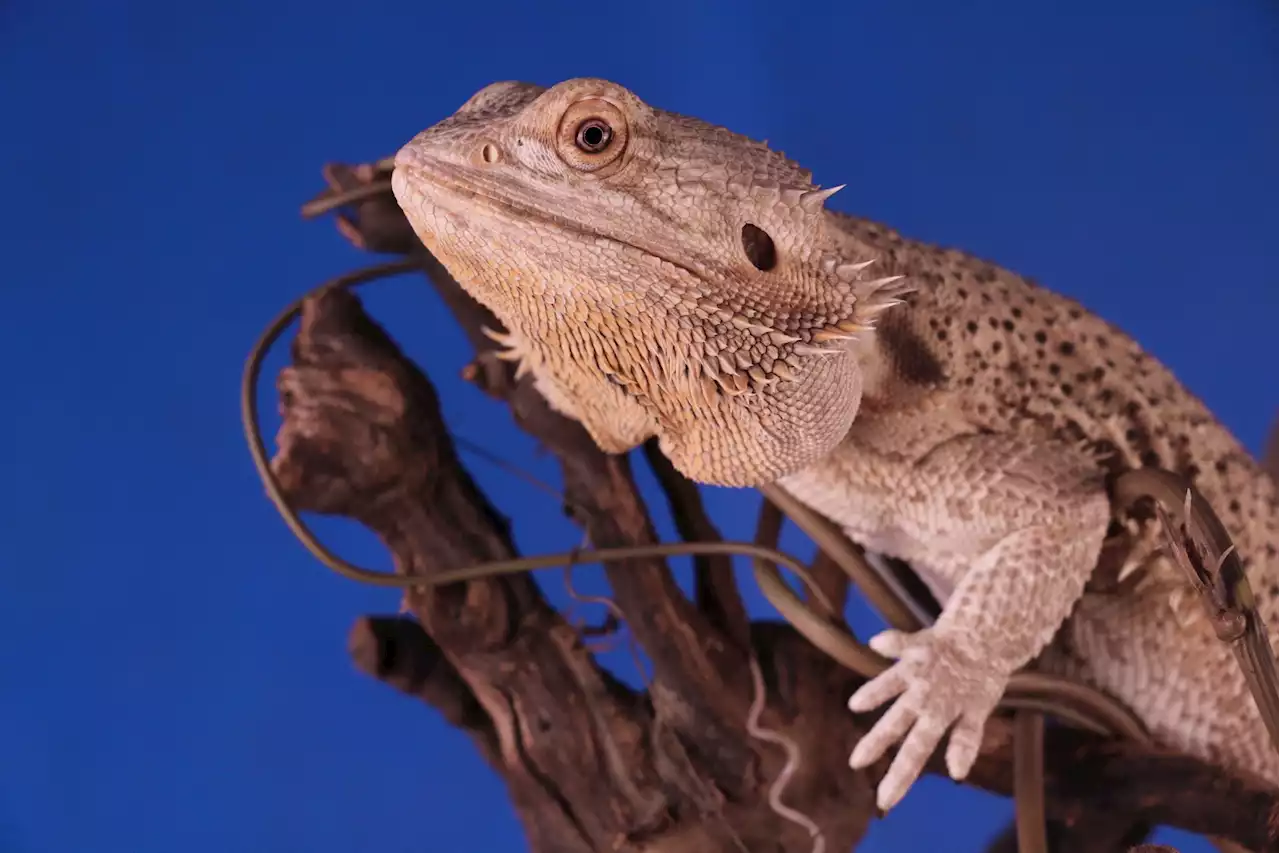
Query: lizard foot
x: 937, y: 684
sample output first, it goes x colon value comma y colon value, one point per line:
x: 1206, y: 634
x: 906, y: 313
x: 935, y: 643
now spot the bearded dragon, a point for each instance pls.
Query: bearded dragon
x: 662, y: 276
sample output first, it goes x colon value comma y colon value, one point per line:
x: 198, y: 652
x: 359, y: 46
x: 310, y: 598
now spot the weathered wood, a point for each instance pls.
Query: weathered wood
x: 589, y: 763
x: 1098, y: 834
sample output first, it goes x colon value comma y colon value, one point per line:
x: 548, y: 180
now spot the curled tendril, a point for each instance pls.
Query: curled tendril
x: 334, y: 200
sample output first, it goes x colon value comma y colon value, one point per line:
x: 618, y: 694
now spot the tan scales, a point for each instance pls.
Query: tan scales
x: 661, y: 276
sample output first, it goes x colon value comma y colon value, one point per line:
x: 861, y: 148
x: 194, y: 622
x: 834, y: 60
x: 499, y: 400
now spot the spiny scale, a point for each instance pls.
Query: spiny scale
x: 813, y: 200
x: 736, y: 371
x: 849, y: 271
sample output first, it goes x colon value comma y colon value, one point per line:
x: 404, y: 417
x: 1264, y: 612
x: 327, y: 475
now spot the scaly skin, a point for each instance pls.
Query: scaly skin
x: 662, y: 276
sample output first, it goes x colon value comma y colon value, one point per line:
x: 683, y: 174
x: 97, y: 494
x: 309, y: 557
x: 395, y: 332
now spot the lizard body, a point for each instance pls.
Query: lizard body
x: 662, y: 276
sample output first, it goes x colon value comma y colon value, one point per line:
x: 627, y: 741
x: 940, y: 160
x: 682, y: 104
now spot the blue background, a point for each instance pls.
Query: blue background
x: 172, y: 662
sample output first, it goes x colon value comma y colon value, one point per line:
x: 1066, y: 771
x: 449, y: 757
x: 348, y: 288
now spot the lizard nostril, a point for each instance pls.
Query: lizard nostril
x: 489, y: 153
x: 759, y: 248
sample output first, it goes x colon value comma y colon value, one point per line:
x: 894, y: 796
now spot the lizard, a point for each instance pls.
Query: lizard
x: 658, y: 275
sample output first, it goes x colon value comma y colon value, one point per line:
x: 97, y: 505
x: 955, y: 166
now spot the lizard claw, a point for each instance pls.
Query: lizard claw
x: 937, y: 685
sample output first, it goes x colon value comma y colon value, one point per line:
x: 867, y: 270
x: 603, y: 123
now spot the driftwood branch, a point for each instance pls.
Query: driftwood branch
x: 591, y: 764
x: 715, y: 590
x: 396, y: 651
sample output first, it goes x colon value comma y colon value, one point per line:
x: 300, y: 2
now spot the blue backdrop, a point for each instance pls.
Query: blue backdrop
x: 172, y: 662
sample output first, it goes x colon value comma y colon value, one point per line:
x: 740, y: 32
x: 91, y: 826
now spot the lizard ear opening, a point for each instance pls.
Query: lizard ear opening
x: 759, y: 247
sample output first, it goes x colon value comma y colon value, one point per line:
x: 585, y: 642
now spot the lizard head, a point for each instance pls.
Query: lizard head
x: 658, y: 275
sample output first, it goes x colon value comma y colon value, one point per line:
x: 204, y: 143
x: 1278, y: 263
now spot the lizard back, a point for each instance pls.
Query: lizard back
x: 1012, y: 356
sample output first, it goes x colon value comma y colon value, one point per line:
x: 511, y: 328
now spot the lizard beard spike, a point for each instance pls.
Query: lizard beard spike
x: 814, y: 200
x: 870, y: 299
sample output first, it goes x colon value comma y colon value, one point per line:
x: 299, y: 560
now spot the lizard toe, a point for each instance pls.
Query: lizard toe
x: 891, y: 643
x: 964, y: 744
x: 885, y: 686
x: 909, y: 763
x: 887, y: 731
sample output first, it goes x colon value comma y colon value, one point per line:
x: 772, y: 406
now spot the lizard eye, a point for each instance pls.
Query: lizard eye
x: 592, y: 136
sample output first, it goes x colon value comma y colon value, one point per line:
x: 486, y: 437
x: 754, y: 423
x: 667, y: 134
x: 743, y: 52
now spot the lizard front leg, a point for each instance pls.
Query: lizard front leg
x: 1014, y: 525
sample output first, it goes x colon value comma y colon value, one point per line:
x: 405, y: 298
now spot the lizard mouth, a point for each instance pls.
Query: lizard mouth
x: 447, y: 180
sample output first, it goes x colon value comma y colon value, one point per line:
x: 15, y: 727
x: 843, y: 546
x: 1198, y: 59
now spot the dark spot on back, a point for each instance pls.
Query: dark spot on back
x: 909, y: 353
